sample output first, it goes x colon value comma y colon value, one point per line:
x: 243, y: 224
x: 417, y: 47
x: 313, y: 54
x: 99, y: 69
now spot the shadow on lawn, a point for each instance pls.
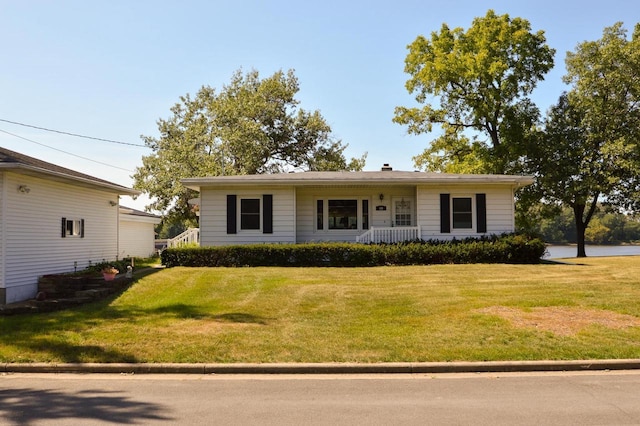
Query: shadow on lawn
x: 180, y: 310
x: 28, y: 406
x: 41, y: 333
x: 69, y: 352
x: 239, y: 317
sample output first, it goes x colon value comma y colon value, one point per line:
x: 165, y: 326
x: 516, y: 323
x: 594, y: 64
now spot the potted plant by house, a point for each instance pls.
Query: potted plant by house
x: 109, y: 273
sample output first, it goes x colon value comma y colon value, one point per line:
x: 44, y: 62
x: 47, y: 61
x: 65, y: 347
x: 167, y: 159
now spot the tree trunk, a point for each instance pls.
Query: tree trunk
x: 582, y: 222
x: 578, y: 211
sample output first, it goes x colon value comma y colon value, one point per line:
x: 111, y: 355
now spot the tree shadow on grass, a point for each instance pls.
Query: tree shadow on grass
x: 566, y: 262
x: 240, y: 317
x: 27, y: 406
x: 69, y: 352
x: 180, y: 310
x: 27, y: 332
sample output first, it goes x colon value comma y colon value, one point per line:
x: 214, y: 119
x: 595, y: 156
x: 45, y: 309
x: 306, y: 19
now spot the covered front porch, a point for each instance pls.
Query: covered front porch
x: 375, y: 235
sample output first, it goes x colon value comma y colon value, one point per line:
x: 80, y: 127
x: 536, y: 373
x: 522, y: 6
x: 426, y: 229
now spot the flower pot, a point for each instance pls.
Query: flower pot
x: 108, y: 276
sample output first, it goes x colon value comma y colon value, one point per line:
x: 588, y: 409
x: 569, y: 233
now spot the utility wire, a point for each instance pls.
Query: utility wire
x: 72, y: 134
x: 65, y: 152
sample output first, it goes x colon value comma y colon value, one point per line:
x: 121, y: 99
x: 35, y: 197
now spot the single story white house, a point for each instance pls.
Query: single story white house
x: 52, y: 220
x: 369, y: 206
x: 136, y: 233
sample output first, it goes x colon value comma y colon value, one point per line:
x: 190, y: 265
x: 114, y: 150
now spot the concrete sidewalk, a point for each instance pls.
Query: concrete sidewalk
x: 327, y: 368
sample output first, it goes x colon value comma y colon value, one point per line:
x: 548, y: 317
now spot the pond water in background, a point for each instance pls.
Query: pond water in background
x: 554, y: 252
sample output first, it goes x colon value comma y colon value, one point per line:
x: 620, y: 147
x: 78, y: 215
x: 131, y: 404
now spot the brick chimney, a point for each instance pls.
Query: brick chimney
x: 386, y: 167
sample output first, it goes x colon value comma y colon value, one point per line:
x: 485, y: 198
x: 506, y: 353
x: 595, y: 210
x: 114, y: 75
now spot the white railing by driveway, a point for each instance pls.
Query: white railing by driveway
x: 190, y: 236
x: 389, y: 235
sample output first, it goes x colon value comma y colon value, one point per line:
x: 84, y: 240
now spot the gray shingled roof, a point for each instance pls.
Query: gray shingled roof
x: 21, y: 163
x: 386, y: 177
x: 134, y: 212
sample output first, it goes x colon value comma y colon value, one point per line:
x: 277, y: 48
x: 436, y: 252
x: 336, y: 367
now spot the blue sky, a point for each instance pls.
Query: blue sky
x: 111, y: 69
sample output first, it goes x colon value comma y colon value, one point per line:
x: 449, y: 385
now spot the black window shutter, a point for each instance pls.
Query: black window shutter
x: 231, y: 214
x: 320, y: 215
x: 64, y: 227
x: 267, y: 214
x: 445, y: 214
x: 82, y: 228
x: 481, y: 212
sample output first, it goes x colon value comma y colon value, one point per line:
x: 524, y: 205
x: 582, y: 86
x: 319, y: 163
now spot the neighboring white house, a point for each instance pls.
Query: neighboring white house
x: 379, y: 206
x: 136, y: 233
x: 52, y: 220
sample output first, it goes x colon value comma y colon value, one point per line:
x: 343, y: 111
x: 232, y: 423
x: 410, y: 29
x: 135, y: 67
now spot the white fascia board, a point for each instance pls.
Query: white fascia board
x: 341, y: 179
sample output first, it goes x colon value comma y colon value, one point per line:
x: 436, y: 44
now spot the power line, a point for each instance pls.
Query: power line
x: 72, y: 134
x: 65, y: 152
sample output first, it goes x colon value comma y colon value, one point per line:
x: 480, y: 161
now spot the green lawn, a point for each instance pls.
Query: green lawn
x: 384, y: 314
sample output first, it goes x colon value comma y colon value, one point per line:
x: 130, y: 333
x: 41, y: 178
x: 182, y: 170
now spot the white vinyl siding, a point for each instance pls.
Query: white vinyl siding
x: 500, y: 210
x: 136, y: 236
x: 33, y: 245
x: 213, y: 216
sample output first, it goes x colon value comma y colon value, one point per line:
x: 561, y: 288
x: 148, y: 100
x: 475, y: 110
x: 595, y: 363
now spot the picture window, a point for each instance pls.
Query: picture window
x: 342, y: 214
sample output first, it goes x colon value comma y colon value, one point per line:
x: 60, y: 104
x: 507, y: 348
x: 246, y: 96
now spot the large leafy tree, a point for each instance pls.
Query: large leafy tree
x: 565, y: 166
x: 588, y: 152
x: 482, y: 78
x: 251, y: 125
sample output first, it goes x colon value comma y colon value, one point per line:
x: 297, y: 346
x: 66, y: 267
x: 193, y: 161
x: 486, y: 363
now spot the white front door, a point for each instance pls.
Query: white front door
x: 402, y: 211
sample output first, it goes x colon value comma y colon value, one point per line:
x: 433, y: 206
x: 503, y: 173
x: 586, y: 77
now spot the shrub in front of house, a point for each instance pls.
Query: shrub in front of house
x: 509, y: 248
x: 98, y: 268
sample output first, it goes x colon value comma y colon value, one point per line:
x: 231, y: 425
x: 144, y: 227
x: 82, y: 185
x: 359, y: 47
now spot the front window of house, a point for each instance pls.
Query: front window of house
x: 250, y: 213
x: 342, y: 214
x: 462, y: 213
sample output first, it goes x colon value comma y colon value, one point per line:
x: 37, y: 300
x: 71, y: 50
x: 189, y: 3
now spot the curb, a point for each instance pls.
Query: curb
x: 327, y: 368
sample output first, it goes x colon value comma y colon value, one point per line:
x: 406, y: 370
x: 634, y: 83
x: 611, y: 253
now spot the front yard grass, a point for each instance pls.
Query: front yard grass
x: 589, y: 310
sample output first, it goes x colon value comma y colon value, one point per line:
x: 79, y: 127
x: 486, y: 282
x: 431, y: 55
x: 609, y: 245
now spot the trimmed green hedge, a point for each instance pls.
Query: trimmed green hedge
x: 509, y: 248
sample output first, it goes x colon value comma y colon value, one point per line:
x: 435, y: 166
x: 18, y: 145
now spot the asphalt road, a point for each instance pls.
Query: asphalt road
x: 577, y: 398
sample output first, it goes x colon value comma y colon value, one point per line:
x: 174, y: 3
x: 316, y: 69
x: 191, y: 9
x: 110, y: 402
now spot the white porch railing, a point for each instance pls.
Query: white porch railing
x: 389, y: 235
x: 190, y: 236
